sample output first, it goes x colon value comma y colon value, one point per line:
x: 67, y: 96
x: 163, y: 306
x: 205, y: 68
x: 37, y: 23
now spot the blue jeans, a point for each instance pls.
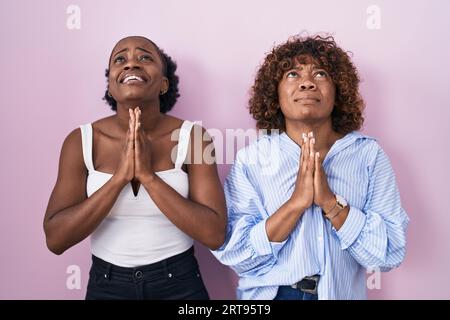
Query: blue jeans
x: 175, y: 278
x: 289, y: 293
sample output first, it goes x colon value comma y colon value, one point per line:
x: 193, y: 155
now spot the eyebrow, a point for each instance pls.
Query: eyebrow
x: 315, y: 67
x: 115, y: 54
x: 142, y: 49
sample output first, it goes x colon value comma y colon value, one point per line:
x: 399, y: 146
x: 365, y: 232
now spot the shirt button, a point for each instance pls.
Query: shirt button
x: 169, y: 275
x: 320, y: 238
x: 138, y: 274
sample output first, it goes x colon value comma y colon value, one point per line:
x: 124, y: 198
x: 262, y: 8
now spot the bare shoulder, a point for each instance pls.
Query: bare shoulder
x: 73, y: 143
x: 105, y: 127
x: 71, y: 160
x: 201, y: 141
x: 172, y: 123
x: 200, y: 135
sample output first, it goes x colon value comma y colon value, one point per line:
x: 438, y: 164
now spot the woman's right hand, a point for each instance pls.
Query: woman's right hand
x: 125, y: 169
x: 303, y: 196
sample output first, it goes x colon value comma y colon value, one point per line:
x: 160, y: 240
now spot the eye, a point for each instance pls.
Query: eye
x: 321, y: 74
x: 292, y: 74
x: 119, y: 59
x: 146, y: 57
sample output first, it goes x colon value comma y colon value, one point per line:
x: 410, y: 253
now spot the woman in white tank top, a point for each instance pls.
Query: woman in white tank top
x: 132, y: 182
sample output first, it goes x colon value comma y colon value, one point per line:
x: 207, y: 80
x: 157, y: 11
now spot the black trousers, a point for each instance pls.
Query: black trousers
x: 175, y: 278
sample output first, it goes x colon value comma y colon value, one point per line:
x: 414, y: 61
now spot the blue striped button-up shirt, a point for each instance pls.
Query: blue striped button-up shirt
x: 372, y: 237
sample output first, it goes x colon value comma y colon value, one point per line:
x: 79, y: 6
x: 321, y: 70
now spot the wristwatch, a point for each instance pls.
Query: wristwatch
x: 340, y: 205
x: 340, y: 201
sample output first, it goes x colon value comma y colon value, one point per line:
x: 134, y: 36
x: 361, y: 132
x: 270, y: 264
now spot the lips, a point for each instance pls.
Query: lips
x: 307, y: 99
x: 131, y: 78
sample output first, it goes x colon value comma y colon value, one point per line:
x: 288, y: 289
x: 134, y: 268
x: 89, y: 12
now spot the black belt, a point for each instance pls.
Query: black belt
x: 308, y: 284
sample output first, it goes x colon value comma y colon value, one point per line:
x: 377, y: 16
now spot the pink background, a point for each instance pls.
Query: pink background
x: 52, y: 81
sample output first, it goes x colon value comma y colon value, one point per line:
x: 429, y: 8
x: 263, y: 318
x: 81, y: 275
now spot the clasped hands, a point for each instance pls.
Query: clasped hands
x: 136, y: 157
x: 311, y: 186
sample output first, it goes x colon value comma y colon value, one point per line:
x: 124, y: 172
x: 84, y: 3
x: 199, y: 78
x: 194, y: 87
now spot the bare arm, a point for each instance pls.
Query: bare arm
x: 71, y: 216
x: 203, y: 215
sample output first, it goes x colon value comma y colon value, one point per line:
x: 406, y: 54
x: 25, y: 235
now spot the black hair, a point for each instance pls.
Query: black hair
x: 166, y: 100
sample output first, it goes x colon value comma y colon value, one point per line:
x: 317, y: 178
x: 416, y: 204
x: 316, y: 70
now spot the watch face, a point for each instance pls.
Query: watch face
x: 341, y: 201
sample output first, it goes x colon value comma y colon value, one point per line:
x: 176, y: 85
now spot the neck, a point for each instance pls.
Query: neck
x: 150, y: 115
x: 323, y: 133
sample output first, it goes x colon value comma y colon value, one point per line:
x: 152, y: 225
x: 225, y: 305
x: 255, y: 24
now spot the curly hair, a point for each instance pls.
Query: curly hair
x: 166, y: 100
x: 349, y: 105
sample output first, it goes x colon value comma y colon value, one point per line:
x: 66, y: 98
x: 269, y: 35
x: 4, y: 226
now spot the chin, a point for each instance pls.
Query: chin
x: 306, y: 115
x: 133, y: 95
x: 306, y: 118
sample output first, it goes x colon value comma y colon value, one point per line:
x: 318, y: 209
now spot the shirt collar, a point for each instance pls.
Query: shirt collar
x: 290, y: 146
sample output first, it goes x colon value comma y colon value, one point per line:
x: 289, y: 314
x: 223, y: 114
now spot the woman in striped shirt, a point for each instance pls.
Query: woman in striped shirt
x: 308, y: 223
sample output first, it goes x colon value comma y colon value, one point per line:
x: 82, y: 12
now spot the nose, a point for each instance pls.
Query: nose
x: 308, y: 85
x: 127, y: 67
x: 131, y: 64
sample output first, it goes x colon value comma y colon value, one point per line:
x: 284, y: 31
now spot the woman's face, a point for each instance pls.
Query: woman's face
x: 306, y: 93
x: 136, y: 71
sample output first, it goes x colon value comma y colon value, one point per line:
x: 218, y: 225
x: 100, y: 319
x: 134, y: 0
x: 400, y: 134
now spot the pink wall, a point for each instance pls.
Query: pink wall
x: 52, y: 81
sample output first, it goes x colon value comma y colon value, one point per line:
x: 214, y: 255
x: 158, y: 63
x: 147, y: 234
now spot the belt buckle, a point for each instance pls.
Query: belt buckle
x: 311, y: 291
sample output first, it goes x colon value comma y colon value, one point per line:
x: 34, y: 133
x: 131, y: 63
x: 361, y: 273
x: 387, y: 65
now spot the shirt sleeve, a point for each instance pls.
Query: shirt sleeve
x: 247, y: 249
x: 376, y: 235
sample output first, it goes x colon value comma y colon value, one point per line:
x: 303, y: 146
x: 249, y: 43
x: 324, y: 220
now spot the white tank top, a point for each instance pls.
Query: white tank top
x: 136, y: 232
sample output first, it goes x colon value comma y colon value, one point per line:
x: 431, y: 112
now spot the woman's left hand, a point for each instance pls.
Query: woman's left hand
x: 323, y: 197
x: 142, y: 150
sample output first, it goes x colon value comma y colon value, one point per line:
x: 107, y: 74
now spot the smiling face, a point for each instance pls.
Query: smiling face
x: 136, y: 72
x: 306, y: 92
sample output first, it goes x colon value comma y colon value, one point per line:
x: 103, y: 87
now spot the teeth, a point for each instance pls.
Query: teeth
x: 128, y: 78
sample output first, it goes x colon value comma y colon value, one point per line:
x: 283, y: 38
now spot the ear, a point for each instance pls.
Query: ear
x: 164, y: 86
